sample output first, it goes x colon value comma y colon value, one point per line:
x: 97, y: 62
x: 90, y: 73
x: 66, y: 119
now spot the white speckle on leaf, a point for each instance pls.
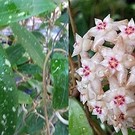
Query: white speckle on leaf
x: 10, y: 89
x: 2, y: 73
x: 7, y: 62
x: 21, y: 14
x: 13, y: 109
x: 10, y: 17
x: 2, y: 133
x: 3, y: 122
x: 6, y: 2
x: 4, y: 88
x: 9, y: 21
x: 4, y: 116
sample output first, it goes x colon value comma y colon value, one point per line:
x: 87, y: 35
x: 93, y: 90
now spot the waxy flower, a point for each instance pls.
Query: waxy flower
x: 128, y: 31
x: 99, y: 109
x: 83, y: 89
x: 118, y: 99
x: 87, y: 71
x: 81, y: 45
x: 113, y: 66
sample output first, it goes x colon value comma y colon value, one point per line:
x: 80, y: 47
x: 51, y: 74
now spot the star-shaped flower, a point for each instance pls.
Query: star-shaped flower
x: 81, y: 45
x: 118, y: 98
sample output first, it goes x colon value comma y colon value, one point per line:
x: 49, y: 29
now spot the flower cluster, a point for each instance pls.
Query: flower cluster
x: 113, y: 65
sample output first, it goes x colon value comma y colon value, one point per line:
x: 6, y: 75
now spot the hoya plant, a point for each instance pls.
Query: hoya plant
x: 115, y: 65
x: 34, y: 67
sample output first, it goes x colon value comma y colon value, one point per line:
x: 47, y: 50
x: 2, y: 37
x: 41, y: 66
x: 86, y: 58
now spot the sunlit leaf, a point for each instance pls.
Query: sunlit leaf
x: 78, y: 123
x: 8, y: 97
x: 16, y: 10
x: 30, y: 43
x: 59, y: 72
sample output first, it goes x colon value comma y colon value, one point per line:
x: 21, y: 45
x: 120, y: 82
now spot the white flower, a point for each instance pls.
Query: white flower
x: 81, y: 45
x: 128, y: 31
x: 112, y: 60
x: 77, y: 45
x: 87, y: 71
x: 113, y: 66
x: 83, y: 89
x: 118, y: 99
x: 103, y: 31
x: 99, y: 109
x: 128, y: 34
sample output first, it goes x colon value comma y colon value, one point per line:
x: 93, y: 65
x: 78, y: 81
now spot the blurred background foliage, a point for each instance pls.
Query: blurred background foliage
x: 83, y: 13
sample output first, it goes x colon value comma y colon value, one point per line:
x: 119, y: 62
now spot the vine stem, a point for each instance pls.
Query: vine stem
x: 45, y: 76
x: 71, y: 19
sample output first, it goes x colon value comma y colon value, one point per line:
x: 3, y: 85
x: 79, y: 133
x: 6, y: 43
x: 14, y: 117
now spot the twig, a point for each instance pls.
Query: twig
x: 71, y: 19
x: 72, y: 71
x: 61, y: 118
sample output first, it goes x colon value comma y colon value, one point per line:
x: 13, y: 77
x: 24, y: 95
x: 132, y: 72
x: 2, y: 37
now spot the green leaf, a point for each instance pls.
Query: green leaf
x: 8, y: 96
x: 59, y: 73
x: 30, y: 43
x: 60, y: 129
x: 24, y: 98
x: 16, y: 10
x: 30, y: 69
x: 14, y: 53
x: 78, y: 123
x: 32, y: 125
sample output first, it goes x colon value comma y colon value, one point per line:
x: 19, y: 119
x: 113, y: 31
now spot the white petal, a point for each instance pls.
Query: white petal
x: 129, y: 100
x: 113, y: 83
x: 76, y: 51
x: 111, y: 36
x: 91, y: 76
x: 122, y: 77
x: 119, y: 48
x: 128, y: 61
x: 98, y: 41
x: 117, y: 24
x: 97, y: 21
x: 97, y: 58
x: 120, y: 68
x: 93, y: 31
x: 122, y: 28
x: 80, y: 71
x: 107, y: 19
x: 86, y: 45
x: 96, y: 85
x: 124, y: 131
x: 106, y: 52
x: 78, y: 38
x: 104, y: 63
x: 131, y: 23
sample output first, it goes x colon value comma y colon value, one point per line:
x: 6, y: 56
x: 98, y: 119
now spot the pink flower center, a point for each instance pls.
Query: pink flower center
x: 101, y: 26
x: 86, y: 71
x: 121, y: 116
x: 113, y: 62
x: 129, y: 30
x: 98, y: 109
x: 119, y: 100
